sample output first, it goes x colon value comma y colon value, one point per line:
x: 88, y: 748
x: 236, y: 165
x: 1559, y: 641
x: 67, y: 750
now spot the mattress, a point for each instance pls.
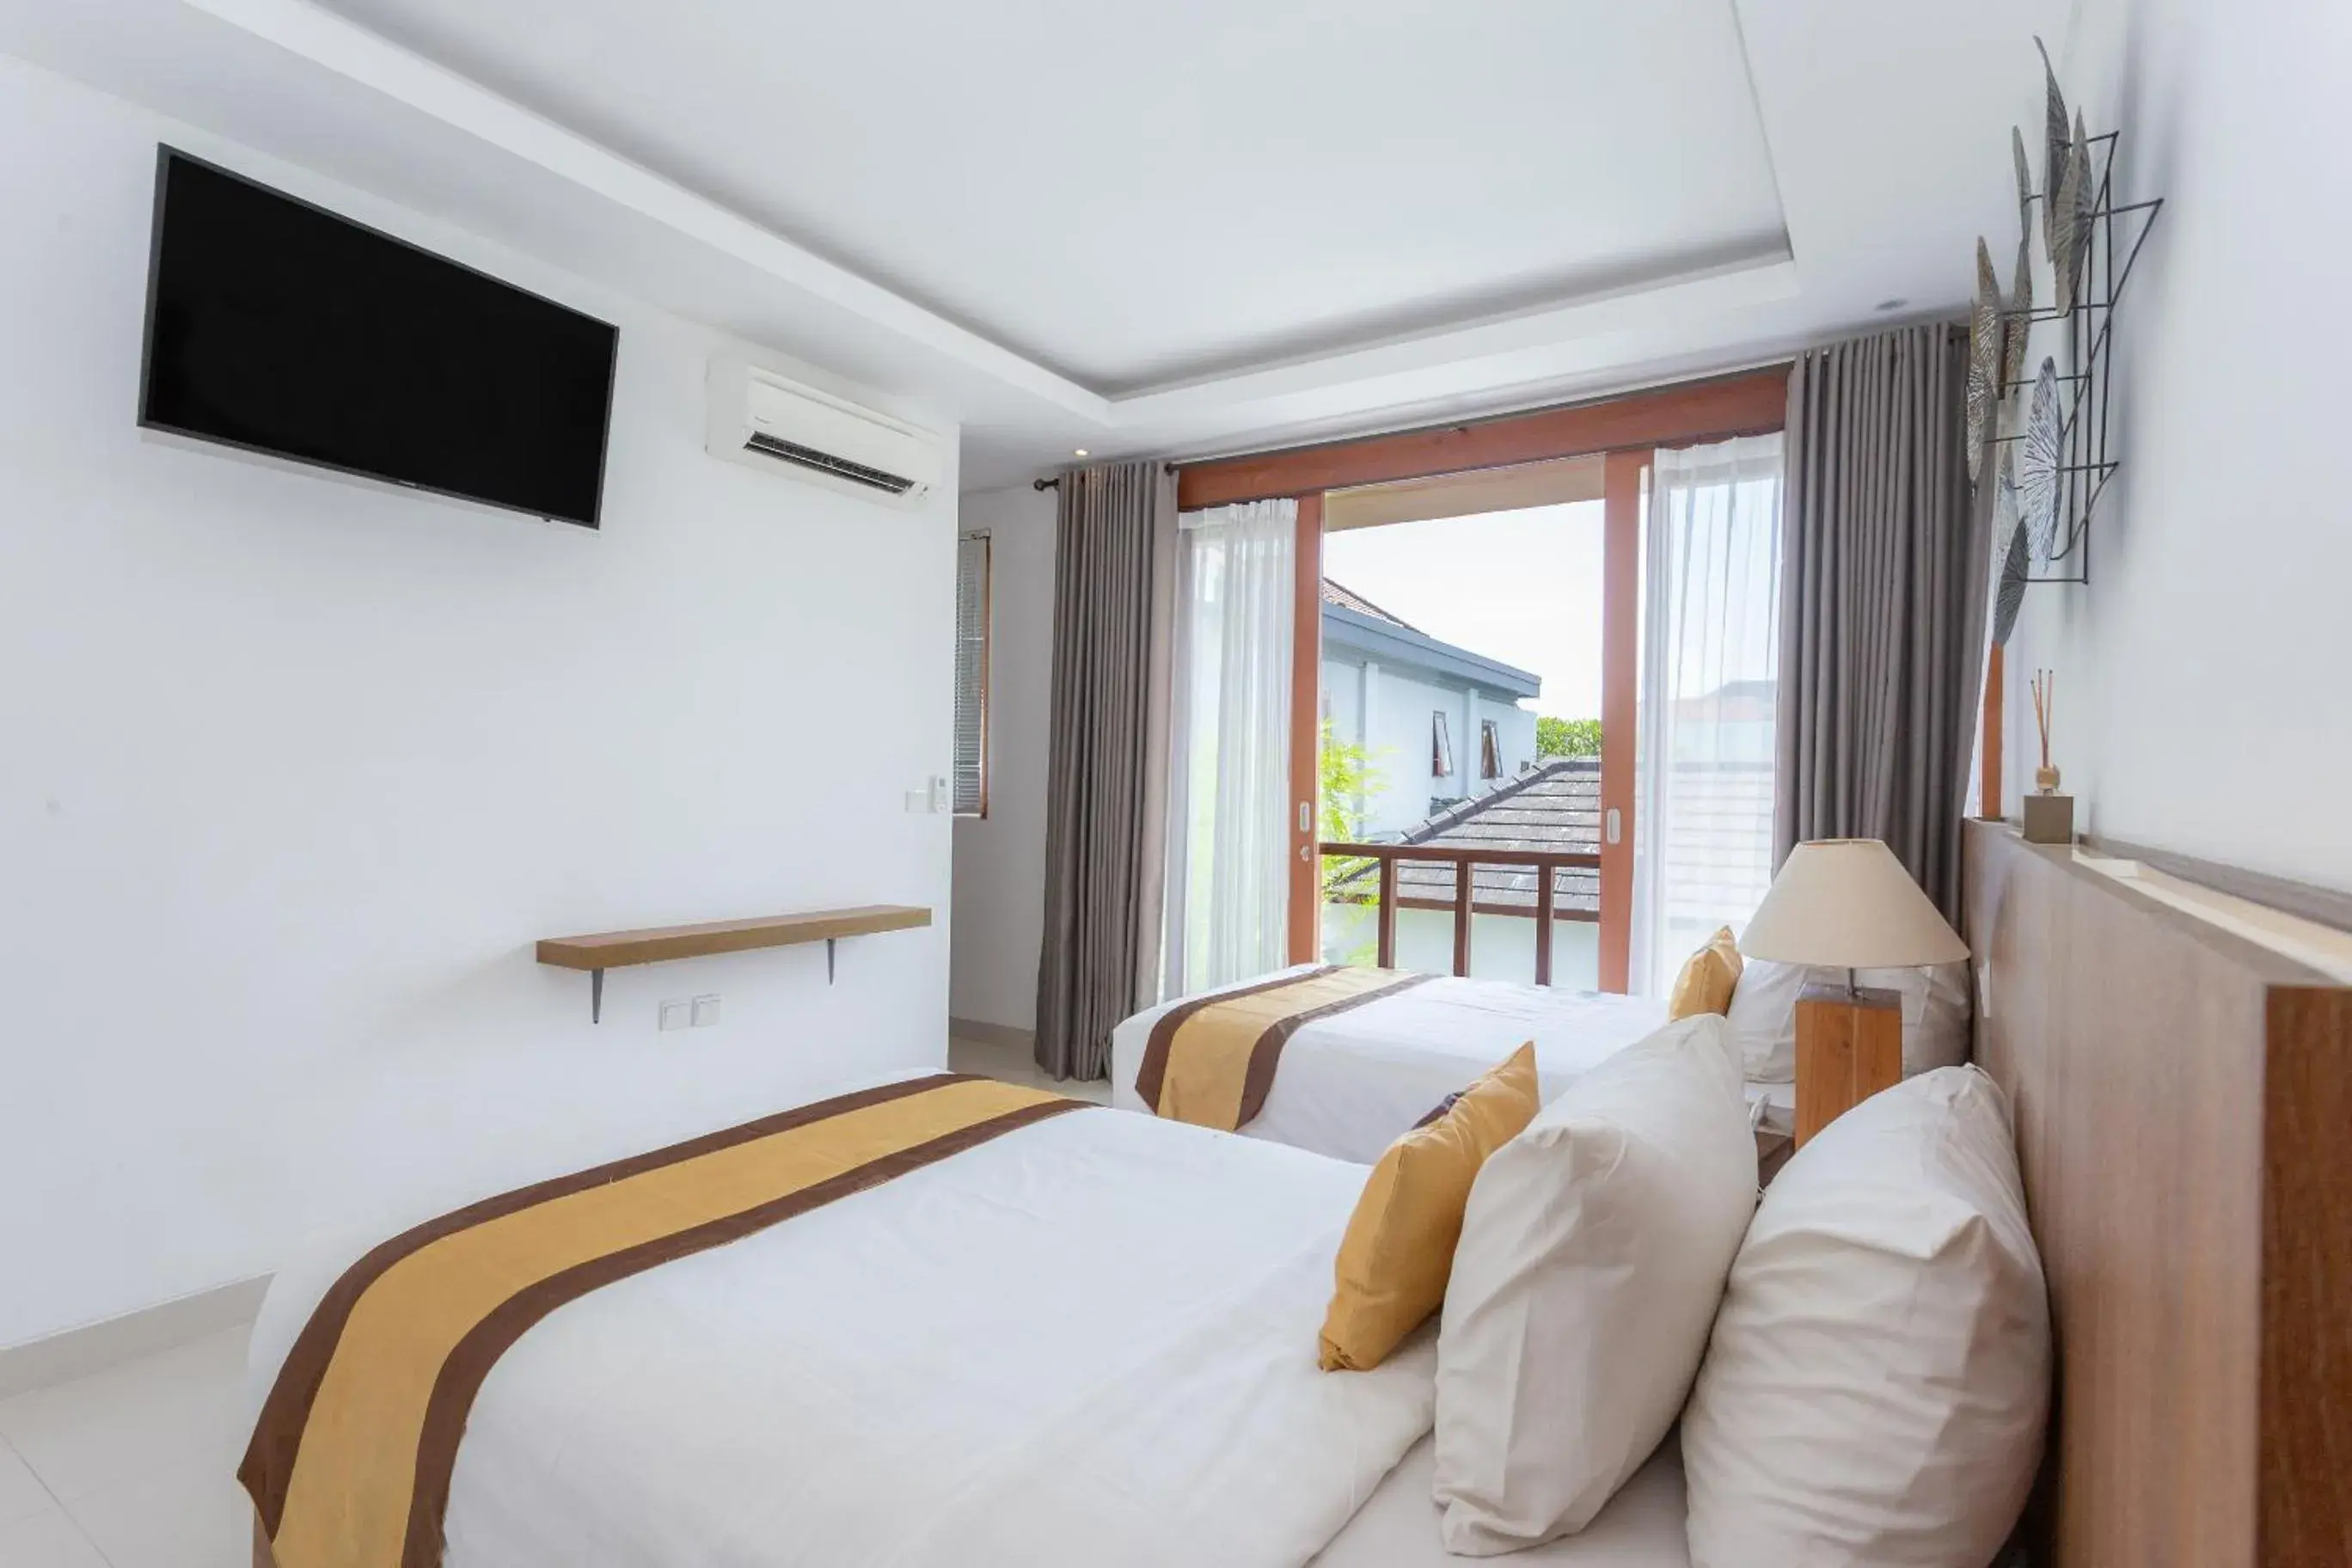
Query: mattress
x: 1642, y: 1526
x: 1089, y: 1340
x: 1350, y: 1083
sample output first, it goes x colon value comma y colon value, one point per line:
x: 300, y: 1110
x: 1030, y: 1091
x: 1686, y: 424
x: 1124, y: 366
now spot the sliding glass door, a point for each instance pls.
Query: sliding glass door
x: 1692, y: 701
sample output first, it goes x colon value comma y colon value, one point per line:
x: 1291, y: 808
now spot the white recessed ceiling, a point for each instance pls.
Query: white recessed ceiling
x: 1157, y: 225
x: 1139, y: 193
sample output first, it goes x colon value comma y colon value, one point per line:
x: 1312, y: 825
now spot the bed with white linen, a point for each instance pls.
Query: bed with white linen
x: 1350, y: 1083
x: 1035, y: 1332
x: 1641, y: 1528
x: 1091, y: 1339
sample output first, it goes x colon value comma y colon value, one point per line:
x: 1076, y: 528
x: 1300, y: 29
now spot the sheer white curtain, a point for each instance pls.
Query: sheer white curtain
x: 1709, y: 691
x: 1228, y: 881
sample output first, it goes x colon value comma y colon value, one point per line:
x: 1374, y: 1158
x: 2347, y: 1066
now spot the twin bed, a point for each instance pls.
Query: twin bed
x: 1353, y: 1075
x: 945, y: 1320
x: 1352, y: 1078
x: 999, y: 1327
x: 1009, y: 1329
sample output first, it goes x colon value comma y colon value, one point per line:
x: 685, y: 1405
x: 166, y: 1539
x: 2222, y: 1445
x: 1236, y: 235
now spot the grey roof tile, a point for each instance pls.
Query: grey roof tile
x: 1553, y: 805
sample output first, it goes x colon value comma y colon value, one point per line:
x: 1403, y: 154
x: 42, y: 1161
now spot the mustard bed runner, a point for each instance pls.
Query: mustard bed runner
x: 1210, y: 1061
x: 351, y: 1462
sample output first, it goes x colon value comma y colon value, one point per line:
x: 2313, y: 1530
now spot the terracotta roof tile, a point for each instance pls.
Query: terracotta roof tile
x: 1347, y: 599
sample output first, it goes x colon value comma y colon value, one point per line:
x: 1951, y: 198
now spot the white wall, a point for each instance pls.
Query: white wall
x: 1514, y: 729
x: 293, y: 772
x: 1396, y: 722
x: 1000, y: 861
x: 2202, y: 693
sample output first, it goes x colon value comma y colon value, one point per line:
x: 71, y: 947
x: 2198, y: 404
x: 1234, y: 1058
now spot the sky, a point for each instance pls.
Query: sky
x: 1520, y: 587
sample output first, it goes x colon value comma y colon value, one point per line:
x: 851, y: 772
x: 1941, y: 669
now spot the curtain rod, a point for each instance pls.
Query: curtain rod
x: 1055, y: 482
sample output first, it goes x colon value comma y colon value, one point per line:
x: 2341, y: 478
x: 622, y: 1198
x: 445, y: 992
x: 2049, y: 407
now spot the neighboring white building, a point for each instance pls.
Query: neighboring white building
x: 1438, y: 723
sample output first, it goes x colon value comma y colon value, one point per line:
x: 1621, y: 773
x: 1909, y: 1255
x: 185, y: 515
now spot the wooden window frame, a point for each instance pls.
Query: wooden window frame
x: 1624, y: 429
x: 1490, y: 751
x: 1753, y: 404
x: 1441, y: 746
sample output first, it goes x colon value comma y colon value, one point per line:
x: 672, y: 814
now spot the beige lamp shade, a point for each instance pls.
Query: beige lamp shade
x: 1848, y: 903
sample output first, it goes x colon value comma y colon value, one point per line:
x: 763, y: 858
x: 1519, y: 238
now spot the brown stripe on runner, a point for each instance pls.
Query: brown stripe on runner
x: 1267, y: 1055
x: 268, y: 1469
x: 1152, y: 1074
x: 463, y: 1372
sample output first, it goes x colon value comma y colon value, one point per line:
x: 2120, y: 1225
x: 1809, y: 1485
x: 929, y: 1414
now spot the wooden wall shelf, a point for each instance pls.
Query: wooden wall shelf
x: 662, y: 944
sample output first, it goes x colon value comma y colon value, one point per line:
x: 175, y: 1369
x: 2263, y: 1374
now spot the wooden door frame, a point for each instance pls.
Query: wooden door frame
x: 1627, y: 430
x: 1620, y: 663
x: 1306, y: 934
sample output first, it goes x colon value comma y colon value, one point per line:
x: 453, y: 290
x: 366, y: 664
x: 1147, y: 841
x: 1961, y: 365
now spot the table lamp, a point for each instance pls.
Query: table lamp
x: 1847, y: 903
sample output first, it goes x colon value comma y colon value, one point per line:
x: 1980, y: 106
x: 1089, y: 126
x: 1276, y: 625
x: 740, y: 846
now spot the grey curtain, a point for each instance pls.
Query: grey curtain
x: 1106, y: 834
x: 1883, y: 602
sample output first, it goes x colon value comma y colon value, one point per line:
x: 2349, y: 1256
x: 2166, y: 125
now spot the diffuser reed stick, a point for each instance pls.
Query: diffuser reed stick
x: 2045, y: 702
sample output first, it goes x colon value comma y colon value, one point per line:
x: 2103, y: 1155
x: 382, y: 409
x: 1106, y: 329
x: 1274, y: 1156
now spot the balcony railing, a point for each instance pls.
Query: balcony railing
x: 1546, y: 863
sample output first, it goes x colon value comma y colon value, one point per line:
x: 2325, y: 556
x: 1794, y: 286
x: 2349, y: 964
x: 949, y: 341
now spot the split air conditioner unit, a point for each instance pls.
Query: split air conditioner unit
x: 763, y: 420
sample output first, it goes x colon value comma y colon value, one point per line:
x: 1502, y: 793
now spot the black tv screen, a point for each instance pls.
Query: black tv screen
x: 278, y: 328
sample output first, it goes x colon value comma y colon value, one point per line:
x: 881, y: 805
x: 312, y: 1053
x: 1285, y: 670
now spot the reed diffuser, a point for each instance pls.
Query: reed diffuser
x: 2049, y: 816
x: 2046, y: 697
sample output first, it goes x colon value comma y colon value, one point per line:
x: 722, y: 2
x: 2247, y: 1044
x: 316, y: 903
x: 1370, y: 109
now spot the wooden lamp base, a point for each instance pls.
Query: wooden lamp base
x: 1849, y: 1046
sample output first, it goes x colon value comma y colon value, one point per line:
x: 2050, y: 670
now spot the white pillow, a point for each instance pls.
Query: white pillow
x: 1876, y: 1386
x: 1936, y: 1014
x: 1593, y: 1255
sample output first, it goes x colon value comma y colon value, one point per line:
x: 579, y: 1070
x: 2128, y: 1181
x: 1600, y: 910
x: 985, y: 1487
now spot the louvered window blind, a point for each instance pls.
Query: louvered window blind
x: 971, y: 675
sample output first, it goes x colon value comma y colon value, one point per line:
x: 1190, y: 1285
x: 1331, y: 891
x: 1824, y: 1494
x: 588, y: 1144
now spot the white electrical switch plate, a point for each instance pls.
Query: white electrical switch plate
x: 940, y: 801
x: 706, y: 1012
x: 675, y: 1016
x: 919, y: 802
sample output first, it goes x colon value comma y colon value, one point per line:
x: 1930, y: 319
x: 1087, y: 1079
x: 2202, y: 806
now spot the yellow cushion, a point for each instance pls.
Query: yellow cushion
x: 1708, y: 980
x: 1399, y: 1249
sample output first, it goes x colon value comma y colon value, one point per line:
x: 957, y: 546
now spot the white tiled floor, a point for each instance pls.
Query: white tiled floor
x: 1013, y: 1065
x: 129, y: 1469
x: 133, y: 1467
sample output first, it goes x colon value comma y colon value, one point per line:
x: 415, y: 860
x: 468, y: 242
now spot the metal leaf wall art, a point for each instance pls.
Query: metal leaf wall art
x: 2057, y: 146
x: 2024, y: 179
x: 2019, y: 328
x: 2040, y: 469
x: 2007, y: 541
x: 2054, y: 461
x: 1985, y: 361
x: 2070, y: 244
x: 2009, y: 592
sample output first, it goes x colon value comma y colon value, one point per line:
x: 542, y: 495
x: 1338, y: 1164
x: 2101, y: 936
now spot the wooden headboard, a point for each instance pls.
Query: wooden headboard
x: 2183, y: 1101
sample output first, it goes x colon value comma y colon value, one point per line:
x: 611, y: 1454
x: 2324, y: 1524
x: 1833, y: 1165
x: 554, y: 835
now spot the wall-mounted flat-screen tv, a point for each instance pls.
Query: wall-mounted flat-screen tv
x: 279, y: 328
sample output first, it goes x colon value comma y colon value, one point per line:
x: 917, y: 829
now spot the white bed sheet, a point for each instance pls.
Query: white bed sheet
x: 1092, y: 1340
x: 1642, y: 1526
x: 1350, y: 1083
